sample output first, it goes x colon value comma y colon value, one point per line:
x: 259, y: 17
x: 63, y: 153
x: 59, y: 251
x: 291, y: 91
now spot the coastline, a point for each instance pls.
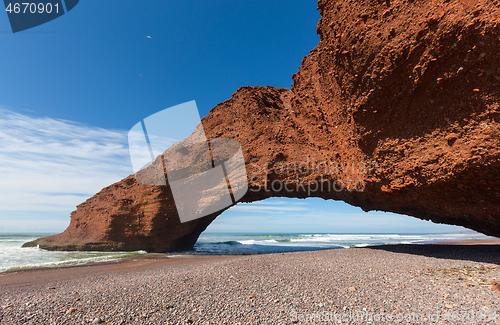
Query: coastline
x: 173, y: 259
x: 254, y: 289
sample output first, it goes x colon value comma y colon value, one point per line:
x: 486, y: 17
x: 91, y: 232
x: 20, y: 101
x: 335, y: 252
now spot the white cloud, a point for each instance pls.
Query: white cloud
x: 313, y: 215
x: 33, y: 226
x: 262, y: 208
x: 52, y: 165
x: 270, y: 206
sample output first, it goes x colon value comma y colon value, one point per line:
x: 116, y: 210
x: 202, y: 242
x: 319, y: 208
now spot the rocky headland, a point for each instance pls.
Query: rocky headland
x: 396, y: 109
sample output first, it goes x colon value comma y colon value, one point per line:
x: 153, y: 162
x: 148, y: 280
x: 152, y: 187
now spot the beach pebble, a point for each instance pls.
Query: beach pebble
x: 71, y: 310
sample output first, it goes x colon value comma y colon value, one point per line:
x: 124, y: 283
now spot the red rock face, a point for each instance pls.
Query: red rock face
x: 396, y: 109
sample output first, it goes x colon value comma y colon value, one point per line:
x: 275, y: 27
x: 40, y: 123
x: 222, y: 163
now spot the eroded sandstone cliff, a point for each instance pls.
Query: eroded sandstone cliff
x: 396, y: 109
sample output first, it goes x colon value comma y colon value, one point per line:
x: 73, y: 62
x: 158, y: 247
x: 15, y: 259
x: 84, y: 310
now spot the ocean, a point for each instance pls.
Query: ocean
x: 13, y: 257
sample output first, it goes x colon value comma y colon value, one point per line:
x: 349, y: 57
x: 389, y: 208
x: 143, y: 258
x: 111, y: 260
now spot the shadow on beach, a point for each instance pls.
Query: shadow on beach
x: 476, y: 253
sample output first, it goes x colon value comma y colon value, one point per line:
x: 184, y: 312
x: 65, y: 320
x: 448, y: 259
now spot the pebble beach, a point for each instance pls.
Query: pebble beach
x: 400, y: 284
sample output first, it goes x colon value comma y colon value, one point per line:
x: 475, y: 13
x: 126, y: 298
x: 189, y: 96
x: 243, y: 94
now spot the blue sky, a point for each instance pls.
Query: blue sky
x: 72, y: 88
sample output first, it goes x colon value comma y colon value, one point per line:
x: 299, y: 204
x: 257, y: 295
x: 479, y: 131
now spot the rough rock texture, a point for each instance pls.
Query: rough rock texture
x: 396, y: 109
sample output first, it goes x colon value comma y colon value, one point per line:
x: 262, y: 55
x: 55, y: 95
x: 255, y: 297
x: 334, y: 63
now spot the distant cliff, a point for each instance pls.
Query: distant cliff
x: 397, y: 109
